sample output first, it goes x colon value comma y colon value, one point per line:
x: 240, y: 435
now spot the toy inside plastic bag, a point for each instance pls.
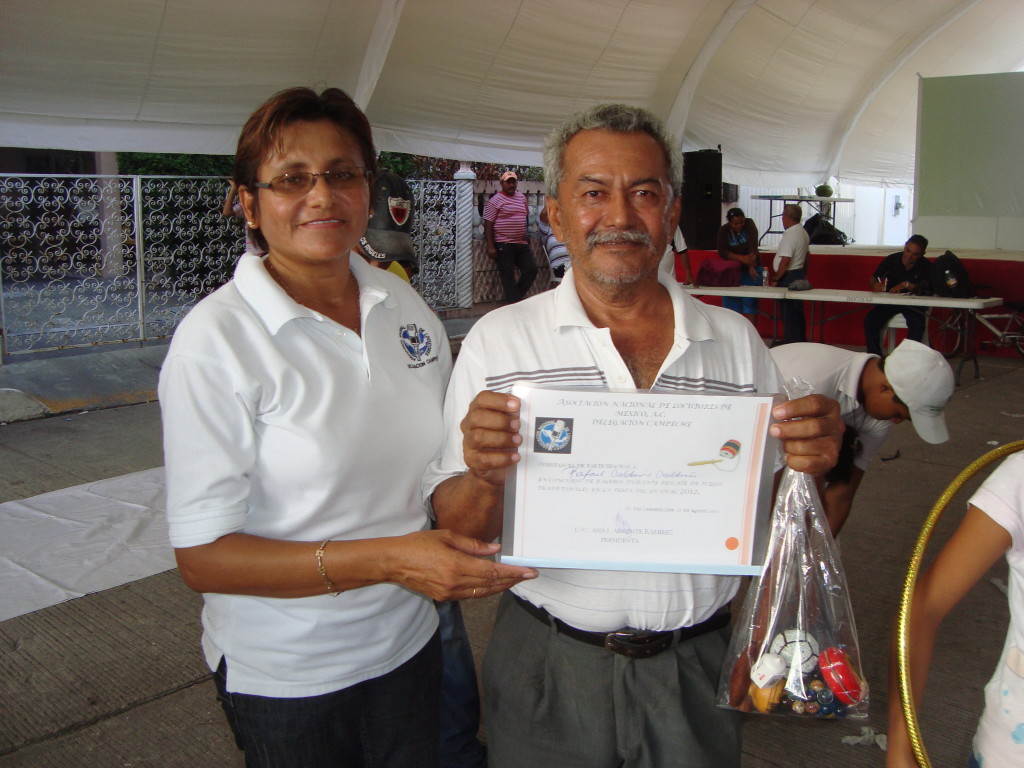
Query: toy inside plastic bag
x: 794, y: 650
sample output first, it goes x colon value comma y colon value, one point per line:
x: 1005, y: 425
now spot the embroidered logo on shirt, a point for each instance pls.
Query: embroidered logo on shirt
x: 553, y: 435
x: 416, y: 342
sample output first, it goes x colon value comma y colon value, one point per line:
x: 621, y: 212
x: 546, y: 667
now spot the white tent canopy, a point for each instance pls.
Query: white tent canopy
x: 794, y: 91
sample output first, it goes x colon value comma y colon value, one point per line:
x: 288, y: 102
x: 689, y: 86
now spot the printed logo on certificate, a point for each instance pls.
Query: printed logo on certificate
x: 640, y: 481
x: 553, y: 435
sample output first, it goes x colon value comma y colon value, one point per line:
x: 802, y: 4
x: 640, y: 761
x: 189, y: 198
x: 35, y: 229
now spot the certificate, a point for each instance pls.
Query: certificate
x: 640, y: 481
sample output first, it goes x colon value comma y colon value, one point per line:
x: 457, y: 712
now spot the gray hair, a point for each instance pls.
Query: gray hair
x: 794, y: 211
x: 620, y: 118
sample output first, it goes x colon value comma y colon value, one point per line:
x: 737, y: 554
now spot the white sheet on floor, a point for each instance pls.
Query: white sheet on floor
x: 83, y: 539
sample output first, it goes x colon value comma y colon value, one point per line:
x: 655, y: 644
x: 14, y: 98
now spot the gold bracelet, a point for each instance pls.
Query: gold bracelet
x: 331, y: 589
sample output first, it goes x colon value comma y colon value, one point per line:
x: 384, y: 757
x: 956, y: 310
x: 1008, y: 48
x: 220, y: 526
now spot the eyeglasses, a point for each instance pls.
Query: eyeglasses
x: 298, y: 183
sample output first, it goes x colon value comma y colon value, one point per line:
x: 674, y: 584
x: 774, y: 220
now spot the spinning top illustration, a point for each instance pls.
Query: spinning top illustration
x: 730, y: 449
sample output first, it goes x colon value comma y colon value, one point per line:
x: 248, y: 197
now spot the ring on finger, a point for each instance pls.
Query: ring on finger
x: 474, y: 591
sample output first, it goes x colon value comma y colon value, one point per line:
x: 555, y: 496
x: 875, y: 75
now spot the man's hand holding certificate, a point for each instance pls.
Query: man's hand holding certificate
x: 640, y: 481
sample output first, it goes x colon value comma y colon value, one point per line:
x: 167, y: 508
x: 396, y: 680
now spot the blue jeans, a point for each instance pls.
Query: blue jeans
x: 745, y: 306
x: 460, y: 697
x: 385, y: 722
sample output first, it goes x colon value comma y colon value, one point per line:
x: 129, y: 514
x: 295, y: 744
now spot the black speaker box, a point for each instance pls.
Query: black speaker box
x: 701, y: 214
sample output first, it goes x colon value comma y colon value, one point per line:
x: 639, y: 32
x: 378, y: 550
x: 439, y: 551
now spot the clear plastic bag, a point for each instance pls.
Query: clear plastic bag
x: 794, y: 650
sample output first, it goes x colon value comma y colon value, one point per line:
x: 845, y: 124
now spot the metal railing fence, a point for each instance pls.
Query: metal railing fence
x: 89, y: 260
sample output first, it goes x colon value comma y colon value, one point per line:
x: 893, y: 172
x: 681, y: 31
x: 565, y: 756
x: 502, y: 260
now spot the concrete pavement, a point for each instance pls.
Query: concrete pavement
x: 34, y: 386
x: 117, y: 679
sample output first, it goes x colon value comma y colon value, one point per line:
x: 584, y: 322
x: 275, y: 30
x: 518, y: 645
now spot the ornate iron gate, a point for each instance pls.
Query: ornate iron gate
x: 89, y: 260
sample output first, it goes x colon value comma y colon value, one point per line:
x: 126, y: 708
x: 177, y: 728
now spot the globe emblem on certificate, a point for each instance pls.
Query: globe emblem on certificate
x: 553, y: 435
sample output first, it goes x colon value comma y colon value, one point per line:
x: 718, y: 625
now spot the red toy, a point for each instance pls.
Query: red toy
x: 840, y: 676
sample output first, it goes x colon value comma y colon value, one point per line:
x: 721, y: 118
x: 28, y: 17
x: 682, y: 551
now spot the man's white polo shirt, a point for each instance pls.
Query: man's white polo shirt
x: 280, y: 422
x: 548, y: 339
x: 794, y: 246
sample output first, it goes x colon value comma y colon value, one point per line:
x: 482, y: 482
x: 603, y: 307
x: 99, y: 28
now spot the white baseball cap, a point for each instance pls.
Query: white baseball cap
x: 923, y: 380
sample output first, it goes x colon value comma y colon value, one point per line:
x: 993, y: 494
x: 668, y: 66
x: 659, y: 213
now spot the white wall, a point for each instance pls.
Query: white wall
x: 970, y: 158
x: 871, y: 220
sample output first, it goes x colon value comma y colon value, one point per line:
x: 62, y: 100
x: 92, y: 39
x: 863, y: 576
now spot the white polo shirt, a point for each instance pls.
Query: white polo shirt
x: 280, y: 422
x: 794, y: 244
x: 835, y: 372
x: 548, y: 339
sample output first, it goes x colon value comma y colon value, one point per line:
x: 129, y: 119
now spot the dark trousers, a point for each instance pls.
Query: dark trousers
x: 794, y: 324
x: 551, y: 700
x: 460, y: 697
x: 510, y: 257
x: 876, y: 320
x: 385, y: 722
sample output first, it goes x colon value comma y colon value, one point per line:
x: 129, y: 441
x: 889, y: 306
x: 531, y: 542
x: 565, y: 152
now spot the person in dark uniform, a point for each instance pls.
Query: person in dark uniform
x: 898, y: 273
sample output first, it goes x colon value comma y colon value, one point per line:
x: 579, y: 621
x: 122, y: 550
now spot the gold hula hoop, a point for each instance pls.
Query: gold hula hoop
x: 903, y: 619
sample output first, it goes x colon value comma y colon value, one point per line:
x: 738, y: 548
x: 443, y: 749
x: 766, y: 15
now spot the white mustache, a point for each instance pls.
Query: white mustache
x: 622, y: 236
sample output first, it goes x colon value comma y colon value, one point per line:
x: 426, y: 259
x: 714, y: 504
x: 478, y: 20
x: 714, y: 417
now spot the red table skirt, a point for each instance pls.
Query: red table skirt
x: 852, y: 271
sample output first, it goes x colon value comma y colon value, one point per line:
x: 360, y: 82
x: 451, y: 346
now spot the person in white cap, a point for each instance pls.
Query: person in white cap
x: 914, y: 382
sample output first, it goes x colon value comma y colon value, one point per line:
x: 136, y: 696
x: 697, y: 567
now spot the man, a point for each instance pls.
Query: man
x: 678, y: 254
x: 788, y: 267
x: 554, y: 249
x: 505, y: 218
x: 552, y: 694
x: 898, y: 273
x: 915, y: 382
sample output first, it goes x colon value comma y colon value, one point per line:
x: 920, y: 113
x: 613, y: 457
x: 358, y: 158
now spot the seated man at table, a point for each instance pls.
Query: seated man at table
x: 914, y: 382
x: 898, y: 273
x: 565, y: 681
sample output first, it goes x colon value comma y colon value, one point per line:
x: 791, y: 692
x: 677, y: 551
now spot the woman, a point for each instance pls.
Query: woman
x: 301, y: 403
x: 737, y: 241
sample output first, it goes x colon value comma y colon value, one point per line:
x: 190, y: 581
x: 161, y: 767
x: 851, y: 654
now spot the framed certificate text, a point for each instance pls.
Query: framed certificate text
x: 640, y: 481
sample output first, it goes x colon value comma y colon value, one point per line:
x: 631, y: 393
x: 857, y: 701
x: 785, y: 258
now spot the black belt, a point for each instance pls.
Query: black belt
x: 634, y: 643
